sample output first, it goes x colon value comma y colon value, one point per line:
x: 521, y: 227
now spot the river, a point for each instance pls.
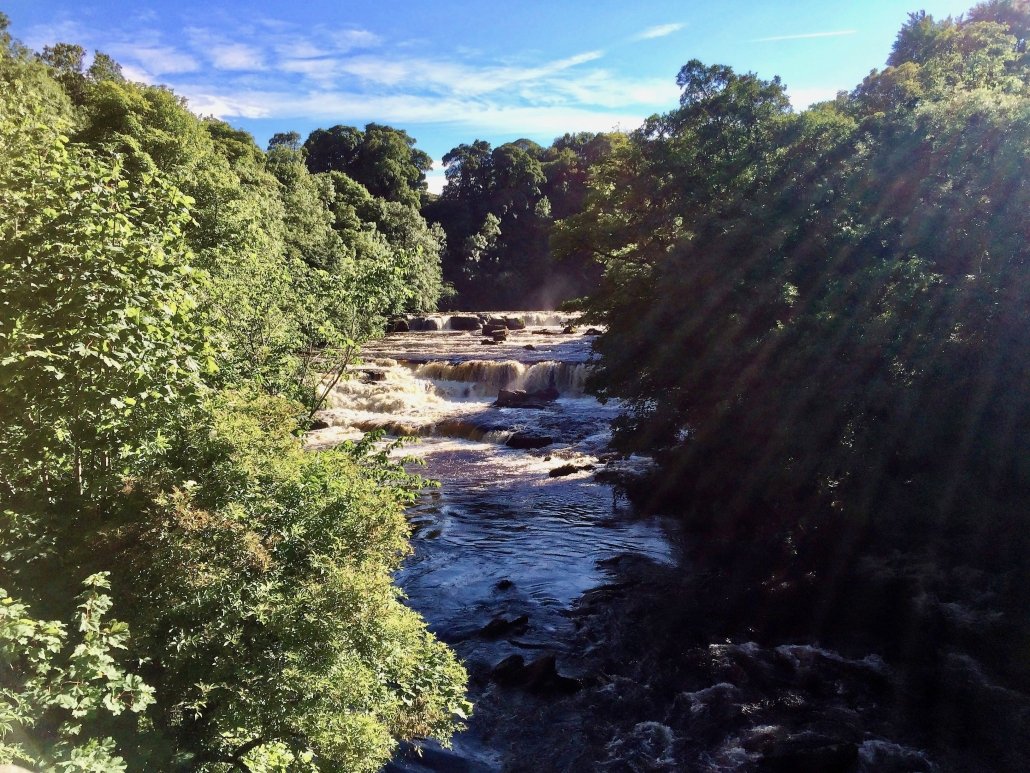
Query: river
x: 503, y: 548
x: 591, y: 644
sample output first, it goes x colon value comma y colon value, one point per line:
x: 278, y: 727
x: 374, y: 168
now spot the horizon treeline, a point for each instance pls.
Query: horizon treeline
x: 496, y: 212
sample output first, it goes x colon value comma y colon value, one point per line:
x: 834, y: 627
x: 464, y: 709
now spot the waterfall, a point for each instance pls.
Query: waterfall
x: 485, y: 378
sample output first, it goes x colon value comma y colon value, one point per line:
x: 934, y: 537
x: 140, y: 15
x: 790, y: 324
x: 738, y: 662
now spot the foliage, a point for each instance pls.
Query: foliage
x: 167, y: 290
x: 97, y: 336
x: 53, y: 691
x: 381, y: 158
x: 261, y: 591
x: 848, y: 288
x: 498, y: 209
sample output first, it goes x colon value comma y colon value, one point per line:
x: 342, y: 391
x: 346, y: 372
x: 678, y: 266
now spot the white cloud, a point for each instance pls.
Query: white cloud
x: 274, y: 70
x: 802, y: 98
x: 443, y: 76
x: 157, y: 59
x: 659, y: 31
x: 807, y: 36
x: 236, y: 56
x: 137, y: 74
x: 346, y: 40
x: 300, y: 48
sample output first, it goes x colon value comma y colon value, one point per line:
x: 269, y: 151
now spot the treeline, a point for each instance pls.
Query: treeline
x: 819, y: 321
x: 496, y: 214
x: 170, y: 296
x: 498, y: 209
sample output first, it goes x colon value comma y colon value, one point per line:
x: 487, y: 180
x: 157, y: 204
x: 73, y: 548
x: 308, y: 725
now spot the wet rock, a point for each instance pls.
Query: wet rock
x: 465, y: 323
x: 514, y: 323
x: 489, y: 342
x: 593, y: 331
x: 529, y: 348
x: 569, y: 469
x: 568, y: 330
x: 397, y: 326
x: 319, y: 424
x: 370, y: 376
x: 520, y: 398
x: 500, y: 335
x: 504, y: 584
x: 424, y: 324
x: 541, y: 676
x: 527, y: 440
x: 502, y: 625
x: 649, y: 746
x: 509, y: 672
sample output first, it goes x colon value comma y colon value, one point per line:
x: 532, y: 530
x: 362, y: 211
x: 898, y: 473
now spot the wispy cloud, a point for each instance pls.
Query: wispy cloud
x: 157, y: 59
x: 659, y: 31
x: 225, y: 54
x: 273, y: 70
x: 807, y: 36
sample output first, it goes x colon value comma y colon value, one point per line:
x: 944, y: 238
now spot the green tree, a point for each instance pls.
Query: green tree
x: 53, y: 692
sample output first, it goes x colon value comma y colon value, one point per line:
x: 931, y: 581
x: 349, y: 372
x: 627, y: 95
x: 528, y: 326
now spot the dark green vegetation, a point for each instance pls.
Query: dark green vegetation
x: 498, y: 209
x: 168, y: 293
x: 496, y: 213
x: 819, y: 322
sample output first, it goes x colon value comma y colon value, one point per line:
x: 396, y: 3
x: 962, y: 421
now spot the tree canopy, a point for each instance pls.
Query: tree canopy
x: 172, y: 299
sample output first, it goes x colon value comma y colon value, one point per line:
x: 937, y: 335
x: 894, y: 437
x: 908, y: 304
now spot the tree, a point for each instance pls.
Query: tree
x: 52, y: 695
x: 99, y: 330
x: 288, y: 140
x: 383, y: 159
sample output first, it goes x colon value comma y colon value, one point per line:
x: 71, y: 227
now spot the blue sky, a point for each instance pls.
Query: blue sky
x: 452, y: 71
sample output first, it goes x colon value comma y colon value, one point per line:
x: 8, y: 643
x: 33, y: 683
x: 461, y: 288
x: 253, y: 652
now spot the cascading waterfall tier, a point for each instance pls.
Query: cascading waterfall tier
x: 485, y: 378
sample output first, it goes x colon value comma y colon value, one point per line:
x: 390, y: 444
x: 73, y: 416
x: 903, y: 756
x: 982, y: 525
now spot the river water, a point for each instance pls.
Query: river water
x: 502, y: 540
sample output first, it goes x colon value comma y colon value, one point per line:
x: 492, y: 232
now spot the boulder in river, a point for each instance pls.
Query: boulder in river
x: 569, y: 469
x: 514, y: 323
x: 540, y: 676
x: 528, y: 440
x: 500, y: 335
x: 502, y: 625
x: 463, y: 322
x: 369, y: 375
x: 520, y: 398
x: 397, y: 326
x: 489, y: 342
